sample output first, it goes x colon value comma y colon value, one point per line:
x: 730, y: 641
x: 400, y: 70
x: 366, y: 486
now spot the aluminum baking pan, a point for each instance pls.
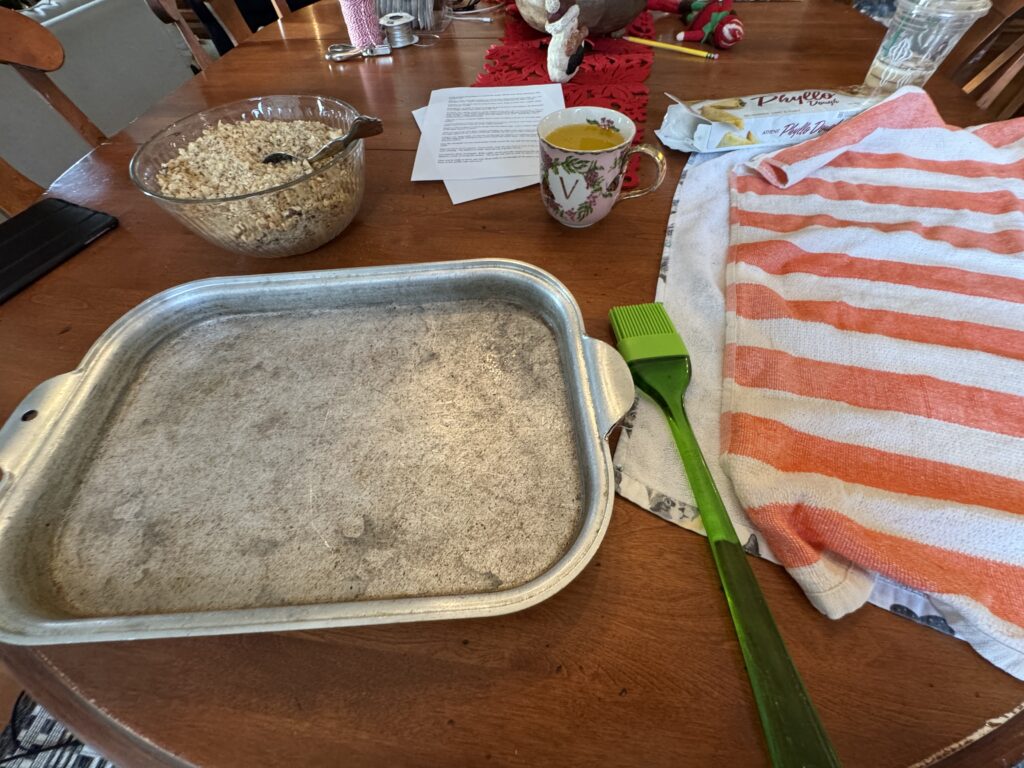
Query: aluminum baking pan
x: 318, y: 449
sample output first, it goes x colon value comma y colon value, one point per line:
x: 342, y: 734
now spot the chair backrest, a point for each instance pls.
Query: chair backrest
x: 979, y: 38
x: 231, y: 19
x: 997, y: 85
x: 167, y: 11
x: 27, y: 43
x: 32, y: 50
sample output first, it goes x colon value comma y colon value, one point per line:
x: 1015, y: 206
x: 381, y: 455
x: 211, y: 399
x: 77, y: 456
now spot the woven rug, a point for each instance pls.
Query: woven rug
x: 34, y: 739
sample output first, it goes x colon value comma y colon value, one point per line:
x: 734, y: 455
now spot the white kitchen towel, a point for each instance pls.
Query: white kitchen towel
x: 692, y: 287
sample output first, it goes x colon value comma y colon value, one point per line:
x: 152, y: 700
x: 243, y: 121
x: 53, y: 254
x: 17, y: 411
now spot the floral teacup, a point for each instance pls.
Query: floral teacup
x: 579, y: 187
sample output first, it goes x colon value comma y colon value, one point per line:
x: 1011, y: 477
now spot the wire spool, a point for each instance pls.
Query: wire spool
x: 398, y: 28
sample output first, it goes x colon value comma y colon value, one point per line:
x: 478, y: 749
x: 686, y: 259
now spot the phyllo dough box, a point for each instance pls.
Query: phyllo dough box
x: 767, y: 119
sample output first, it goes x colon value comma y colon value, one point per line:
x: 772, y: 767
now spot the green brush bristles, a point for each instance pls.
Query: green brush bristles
x: 645, y: 332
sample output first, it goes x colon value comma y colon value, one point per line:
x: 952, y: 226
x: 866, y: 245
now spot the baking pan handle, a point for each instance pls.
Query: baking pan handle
x: 611, y: 381
x: 29, y: 422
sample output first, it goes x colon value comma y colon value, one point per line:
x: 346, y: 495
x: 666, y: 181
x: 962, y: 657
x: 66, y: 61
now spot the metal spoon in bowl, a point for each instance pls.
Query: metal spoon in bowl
x: 362, y: 127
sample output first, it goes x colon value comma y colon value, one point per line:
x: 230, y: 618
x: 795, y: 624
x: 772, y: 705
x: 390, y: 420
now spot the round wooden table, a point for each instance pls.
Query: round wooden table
x: 636, y: 662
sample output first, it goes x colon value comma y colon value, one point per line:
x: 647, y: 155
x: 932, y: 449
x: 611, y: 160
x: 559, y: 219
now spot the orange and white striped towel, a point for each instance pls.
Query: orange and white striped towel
x: 873, y: 405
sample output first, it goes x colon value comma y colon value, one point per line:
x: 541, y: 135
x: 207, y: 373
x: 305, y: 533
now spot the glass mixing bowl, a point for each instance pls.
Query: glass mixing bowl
x: 285, y: 220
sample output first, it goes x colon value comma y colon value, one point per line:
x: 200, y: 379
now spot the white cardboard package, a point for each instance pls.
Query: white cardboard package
x: 767, y: 119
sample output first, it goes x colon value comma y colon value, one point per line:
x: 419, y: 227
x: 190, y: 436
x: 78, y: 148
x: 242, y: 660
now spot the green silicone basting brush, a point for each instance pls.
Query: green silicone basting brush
x: 660, y: 365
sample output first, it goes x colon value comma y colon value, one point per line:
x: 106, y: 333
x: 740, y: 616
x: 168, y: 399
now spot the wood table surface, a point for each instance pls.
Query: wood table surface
x: 635, y: 662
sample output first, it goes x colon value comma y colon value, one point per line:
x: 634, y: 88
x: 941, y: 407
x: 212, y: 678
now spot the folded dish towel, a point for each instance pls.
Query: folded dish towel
x: 692, y: 286
x: 873, y: 404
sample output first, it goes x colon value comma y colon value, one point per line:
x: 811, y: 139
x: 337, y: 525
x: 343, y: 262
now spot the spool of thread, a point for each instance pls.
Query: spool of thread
x: 361, y: 19
x: 422, y: 11
x: 398, y: 28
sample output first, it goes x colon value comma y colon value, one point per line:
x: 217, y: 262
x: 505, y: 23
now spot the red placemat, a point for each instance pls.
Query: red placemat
x: 611, y: 75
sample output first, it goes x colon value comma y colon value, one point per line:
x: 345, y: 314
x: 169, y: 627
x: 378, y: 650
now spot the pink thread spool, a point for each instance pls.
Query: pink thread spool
x: 361, y: 20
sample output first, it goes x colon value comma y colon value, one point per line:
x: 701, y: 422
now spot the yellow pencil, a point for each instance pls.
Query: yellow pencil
x: 677, y: 48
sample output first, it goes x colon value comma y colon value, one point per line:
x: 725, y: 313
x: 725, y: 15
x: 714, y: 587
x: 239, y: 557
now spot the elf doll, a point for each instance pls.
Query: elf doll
x: 707, y: 21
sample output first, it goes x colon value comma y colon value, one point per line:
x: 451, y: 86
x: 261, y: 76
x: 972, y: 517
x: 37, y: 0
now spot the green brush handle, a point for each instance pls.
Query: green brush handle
x: 795, y: 735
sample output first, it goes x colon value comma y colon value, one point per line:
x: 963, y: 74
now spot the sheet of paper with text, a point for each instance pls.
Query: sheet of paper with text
x: 464, y: 190
x: 477, y: 133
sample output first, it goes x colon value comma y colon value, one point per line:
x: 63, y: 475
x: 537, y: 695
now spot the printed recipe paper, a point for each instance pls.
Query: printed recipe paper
x: 478, y: 133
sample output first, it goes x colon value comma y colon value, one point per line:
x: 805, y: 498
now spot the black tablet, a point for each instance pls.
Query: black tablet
x: 42, y: 237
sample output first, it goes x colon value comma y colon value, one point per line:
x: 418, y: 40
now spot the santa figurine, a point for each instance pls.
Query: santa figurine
x: 707, y: 21
x: 565, y: 51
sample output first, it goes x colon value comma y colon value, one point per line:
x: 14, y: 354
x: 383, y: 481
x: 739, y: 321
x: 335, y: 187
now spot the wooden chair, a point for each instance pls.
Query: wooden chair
x: 17, y: 192
x: 33, y: 50
x: 231, y: 20
x: 979, y: 38
x: 996, y: 85
x: 167, y: 11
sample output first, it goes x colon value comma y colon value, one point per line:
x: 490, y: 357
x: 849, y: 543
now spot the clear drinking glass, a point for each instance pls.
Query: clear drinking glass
x: 920, y: 36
